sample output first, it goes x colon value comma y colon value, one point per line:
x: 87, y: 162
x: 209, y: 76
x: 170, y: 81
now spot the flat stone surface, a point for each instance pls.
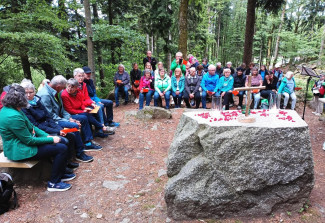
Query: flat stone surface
x: 221, y: 169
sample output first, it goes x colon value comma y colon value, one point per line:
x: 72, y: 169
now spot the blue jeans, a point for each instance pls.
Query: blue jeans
x: 108, y: 104
x: 167, y: 98
x: 91, y: 119
x: 148, y: 96
x: 257, y: 98
x: 177, y: 99
x: 69, y: 125
x: 59, y: 152
x: 119, y: 89
x: 85, y: 127
x: 204, y: 99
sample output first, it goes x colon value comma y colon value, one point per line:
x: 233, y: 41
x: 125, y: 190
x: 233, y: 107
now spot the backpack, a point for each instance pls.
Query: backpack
x: 6, y: 193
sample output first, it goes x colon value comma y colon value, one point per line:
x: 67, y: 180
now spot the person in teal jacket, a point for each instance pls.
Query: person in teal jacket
x: 23, y: 141
x: 178, y: 86
x: 209, y: 84
x: 287, y: 88
x: 225, y: 86
x: 178, y: 63
x: 162, y: 88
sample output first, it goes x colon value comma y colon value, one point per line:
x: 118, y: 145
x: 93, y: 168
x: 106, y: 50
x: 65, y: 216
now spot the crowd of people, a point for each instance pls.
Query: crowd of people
x: 55, y: 122
x: 193, y: 83
x: 61, y: 118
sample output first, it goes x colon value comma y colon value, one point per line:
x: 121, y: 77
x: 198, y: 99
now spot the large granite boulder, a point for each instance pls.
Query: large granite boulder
x: 230, y: 169
x: 149, y: 112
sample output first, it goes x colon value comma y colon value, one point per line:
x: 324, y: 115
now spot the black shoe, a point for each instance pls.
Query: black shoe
x: 72, y: 165
x: 125, y: 103
x: 101, y: 135
x: 68, y: 171
x: 117, y: 105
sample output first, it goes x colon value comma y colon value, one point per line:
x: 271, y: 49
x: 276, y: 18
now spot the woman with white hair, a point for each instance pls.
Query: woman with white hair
x: 122, y: 84
x: 287, y: 88
x: 178, y: 63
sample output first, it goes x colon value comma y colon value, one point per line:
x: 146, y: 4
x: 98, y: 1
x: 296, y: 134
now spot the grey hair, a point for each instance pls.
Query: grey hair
x: 192, y: 69
x: 121, y: 65
x: 27, y: 84
x: 229, y: 62
x: 218, y: 64
x: 179, y: 53
x: 147, y: 71
x: 227, y: 69
x: 58, y: 80
x: 15, y: 98
x: 211, y: 67
x: 78, y: 71
x: 73, y: 82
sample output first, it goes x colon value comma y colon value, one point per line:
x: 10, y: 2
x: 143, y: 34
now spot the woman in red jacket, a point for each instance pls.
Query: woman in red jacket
x: 75, y: 104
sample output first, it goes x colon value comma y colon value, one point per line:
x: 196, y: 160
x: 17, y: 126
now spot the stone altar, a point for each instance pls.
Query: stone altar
x: 218, y: 167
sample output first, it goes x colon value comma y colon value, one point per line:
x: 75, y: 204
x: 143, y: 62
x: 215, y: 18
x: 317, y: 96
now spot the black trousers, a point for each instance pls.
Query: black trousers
x: 197, y: 99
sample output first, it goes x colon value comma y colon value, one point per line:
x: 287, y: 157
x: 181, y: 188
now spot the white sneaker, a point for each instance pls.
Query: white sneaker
x: 137, y: 100
x: 314, y: 113
x: 318, y: 114
x: 324, y: 146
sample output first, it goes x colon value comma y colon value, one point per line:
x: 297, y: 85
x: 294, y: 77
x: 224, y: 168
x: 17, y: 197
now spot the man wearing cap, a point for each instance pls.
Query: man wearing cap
x: 103, y: 103
x: 150, y: 59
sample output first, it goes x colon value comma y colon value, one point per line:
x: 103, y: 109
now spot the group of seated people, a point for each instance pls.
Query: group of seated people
x: 193, y: 83
x: 55, y: 122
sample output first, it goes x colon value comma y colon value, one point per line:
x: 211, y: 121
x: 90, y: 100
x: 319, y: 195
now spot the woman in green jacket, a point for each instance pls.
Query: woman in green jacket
x: 162, y: 88
x: 24, y: 141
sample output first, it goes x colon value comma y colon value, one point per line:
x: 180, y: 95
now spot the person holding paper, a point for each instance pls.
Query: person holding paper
x: 162, y: 88
x: 75, y: 103
x: 122, y: 84
x: 146, y: 88
x: 38, y: 116
x: 107, y: 118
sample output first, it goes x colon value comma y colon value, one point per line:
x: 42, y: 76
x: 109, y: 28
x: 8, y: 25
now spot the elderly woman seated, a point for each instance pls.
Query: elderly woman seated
x: 287, y: 88
x: 37, y: 114
x: 192, y: 92
x: 146, y: 88
x: 225, y: 87
x: 178, y: 85
x: 256, y: 81
x: 24, y: 141
x: 75, y: 104
x: 162, y: 87
x: 122, y: 84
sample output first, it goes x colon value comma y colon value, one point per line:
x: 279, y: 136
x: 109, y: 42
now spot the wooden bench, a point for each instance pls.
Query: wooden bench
x: 4, y: 162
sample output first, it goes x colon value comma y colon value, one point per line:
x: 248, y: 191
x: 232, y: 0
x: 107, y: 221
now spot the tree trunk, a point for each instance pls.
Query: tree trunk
x: 276, y: 50
x: 269, y: 46
x: 321, y: 48
x: 48, y: 69
x: 90, y: 45
x: 110, y: 20
x: 249, y: 33
x: 218, y: 38
x: 151, y: 43
x: 98, y: 50
x: 26, y: 66
x: 148, y: 42
x: 182, y: 22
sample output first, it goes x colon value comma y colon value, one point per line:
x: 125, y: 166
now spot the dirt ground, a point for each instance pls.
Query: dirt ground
x: 125, y: 183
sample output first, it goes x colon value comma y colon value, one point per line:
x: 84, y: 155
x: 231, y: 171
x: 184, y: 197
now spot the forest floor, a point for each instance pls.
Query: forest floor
x: 125, y: 183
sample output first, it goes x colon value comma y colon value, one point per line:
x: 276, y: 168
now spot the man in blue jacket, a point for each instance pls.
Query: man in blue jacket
x: 104, y: 103
x: 209, y: 84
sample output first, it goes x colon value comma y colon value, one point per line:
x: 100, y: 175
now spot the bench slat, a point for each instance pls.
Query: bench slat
x: 4, y: 162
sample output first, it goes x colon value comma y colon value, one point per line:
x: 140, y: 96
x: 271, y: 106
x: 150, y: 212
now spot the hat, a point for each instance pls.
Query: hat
x: 86, y: 69
x: 277, y: 66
